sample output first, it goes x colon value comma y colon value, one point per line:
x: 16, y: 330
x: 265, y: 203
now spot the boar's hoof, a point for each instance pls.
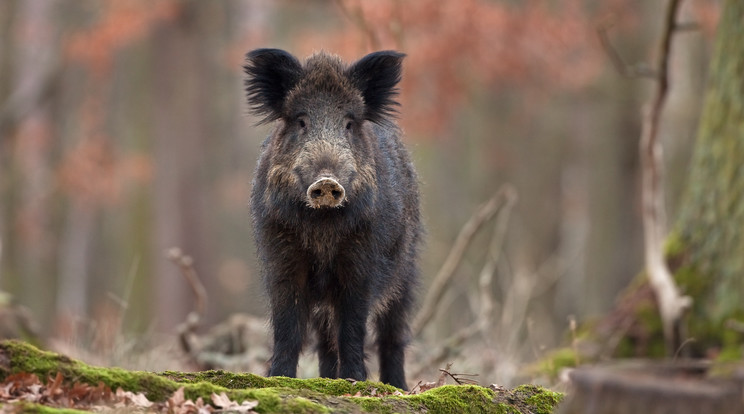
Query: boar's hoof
x: 326, y: 192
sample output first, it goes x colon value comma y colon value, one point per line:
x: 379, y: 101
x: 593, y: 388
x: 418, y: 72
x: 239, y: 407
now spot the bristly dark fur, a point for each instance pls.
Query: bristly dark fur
x: 271, y: 74
x: 377, y: 75
x: 331, y: 269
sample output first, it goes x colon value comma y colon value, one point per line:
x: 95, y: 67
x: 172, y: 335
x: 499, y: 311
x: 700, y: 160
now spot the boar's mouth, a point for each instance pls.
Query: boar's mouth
x: 326, y: 192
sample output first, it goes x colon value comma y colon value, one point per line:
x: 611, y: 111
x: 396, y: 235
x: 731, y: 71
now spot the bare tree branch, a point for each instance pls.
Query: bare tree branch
x: 186, y: 264
x: 687, y: 26
x: 484, y: 214
x: 357, y: 17
x: 28, y: 95
x: 639, y: 70
x: 485, y: 280
x: 187, y: 329
x: 671, y: 303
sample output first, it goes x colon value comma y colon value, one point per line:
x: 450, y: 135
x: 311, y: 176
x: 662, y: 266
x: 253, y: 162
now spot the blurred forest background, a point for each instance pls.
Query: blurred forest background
x: 124, y: 132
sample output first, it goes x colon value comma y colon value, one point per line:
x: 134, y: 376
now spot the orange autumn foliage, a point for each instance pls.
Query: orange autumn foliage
x: 120, y: 23
x: 458, y: 48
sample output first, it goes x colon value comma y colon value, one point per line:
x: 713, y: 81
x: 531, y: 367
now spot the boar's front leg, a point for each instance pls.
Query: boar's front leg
x: 352, y: 314
x: 392, y: 338
x: 289, y: 315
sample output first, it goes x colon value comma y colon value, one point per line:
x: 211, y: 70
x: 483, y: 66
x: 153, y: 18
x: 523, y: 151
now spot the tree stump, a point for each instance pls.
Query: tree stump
x: 634, y: 387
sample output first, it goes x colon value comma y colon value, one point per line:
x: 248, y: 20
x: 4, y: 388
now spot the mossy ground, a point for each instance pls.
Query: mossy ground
x: 706, y: 331
x: 276, y: 394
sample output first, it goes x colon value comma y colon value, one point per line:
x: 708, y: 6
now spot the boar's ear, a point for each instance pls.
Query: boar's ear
x: 270, y: 75
x: 376, y: 75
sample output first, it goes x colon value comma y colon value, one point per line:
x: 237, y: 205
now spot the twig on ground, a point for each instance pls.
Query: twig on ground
x: 443, y: 375
x: 458, y: 377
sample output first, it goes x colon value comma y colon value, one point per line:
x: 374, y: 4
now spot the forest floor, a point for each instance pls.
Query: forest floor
x: 32, y: 380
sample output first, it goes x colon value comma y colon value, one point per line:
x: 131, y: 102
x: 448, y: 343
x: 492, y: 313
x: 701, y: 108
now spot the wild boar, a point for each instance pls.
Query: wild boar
x: 335, y: 209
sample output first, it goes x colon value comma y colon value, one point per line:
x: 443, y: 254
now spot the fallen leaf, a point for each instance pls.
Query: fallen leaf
x: 177, y: 399
x: 128, y: 397
x: 221, y: 401
x: 54, y: 384
x: 35, y: 389
x: 225, y: 403
x: 496, y: 387
x: 248, y: 404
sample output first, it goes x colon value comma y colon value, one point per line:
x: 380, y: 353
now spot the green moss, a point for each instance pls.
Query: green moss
x: 377, y: 405
x: 303, y: 405
x: 502, y: 408
x: 730, y: 354
x: 691, y: 282
x: 23, y: 357
x: 703, y: 321
x: 650, y: 330
x: 467, y: 398
x: 674, y: 247
x: 27, y: 358
x: 540, y: 400
x: 240, y: 381
x: 449, y: 399
x: 553, y: 363
x: 529, y: 399
x: 274, y: 394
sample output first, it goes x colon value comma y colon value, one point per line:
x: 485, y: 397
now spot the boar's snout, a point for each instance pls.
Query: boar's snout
x: 325, y: 192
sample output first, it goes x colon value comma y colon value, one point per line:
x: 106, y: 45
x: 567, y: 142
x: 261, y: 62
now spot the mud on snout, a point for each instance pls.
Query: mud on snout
x: 325, y: 192
x: 328, y: 169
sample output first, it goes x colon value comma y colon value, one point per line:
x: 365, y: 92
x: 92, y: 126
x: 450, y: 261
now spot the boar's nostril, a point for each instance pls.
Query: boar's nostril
x: 325, y: 192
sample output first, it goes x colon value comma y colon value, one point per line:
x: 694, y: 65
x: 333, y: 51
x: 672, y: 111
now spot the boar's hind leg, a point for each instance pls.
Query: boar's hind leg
x: 289, y: 320
x: 392, y: 338
x: 327, y: 349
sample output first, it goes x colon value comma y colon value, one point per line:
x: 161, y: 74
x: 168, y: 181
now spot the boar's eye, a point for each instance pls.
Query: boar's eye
x: 302, y: 123
x: 348, y: 125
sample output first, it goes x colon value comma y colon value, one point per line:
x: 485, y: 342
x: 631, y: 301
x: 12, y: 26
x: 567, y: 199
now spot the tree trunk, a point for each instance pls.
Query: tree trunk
x: 712, y: 217
x: 180, y: 197
x: 706, y: 246
x: 704, y: 251
x: 711, y: 222
x: 29, y: 131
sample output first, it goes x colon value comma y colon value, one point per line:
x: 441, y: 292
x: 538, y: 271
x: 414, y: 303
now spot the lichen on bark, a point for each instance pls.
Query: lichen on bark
x: 710, y: 227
